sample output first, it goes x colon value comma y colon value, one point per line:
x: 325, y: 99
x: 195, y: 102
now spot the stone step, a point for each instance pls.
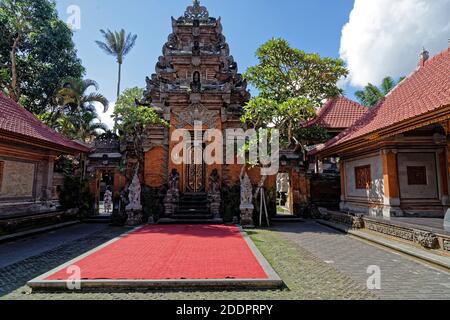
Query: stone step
x: 179, y: 216
x: 190, y: 221
x: 192, y: 211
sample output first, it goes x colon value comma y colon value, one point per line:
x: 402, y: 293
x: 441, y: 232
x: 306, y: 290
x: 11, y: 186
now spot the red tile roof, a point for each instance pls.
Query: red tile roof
x: 426, y: 89
x: 338, y: 113
x: 14, y: 119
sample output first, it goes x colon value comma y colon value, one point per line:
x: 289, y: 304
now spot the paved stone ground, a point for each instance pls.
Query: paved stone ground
x: 401, y: 277
x: 306, y: 276
x: 22, y: 249
x: 315, y: 263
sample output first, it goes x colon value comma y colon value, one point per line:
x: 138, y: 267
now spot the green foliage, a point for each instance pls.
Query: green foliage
x: 311, y: 135
x: 64, y: 164
x: 284, y: 72
x: 75, y: 114
x: 371, y: 94
x: 117, y: 43
x: 291, y: 84
x: 75, y: 194
x: 45, y: 52
x: 231, y: 200
x: 152, y: 202
x: 132, y: 119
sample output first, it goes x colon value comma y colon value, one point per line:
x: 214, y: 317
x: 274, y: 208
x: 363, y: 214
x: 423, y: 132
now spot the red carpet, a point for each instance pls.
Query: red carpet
x: 172, y: 252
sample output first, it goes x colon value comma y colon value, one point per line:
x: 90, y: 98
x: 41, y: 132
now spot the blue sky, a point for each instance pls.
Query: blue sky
x: 314, y: 26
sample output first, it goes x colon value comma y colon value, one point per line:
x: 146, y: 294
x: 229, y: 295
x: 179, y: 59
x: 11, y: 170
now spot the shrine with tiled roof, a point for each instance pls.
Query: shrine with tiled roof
x: 338, y: 114
x: 394, y: 160
x: 28, y: 150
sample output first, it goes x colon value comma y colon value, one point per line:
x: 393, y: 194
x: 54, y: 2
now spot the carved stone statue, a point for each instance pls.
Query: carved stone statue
x: 174, y: 180
x: 246, y: 190
x: 246, y: 206
x: 134, y: 207
x: 134, y: 194
x: 214, y: 195
x: 214, y: 182
x: 172, y: 199
x: 196, y: 49
x: 196, y: 85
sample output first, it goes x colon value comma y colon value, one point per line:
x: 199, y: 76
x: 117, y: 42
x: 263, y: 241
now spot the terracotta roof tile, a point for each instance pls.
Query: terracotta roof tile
x: 15, y: 119
x: 338, y: 113
x: 425, y: 90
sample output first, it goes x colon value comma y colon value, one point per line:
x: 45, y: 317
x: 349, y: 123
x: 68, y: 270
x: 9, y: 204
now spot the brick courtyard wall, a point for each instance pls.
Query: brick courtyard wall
x: 155, y: 168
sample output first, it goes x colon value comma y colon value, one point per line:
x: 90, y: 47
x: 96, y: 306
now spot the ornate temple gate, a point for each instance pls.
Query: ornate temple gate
x: 196, y: 81
x: 195, y: 171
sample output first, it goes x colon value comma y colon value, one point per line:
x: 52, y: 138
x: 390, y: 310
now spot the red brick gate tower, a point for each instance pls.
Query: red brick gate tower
x: 196, y: 80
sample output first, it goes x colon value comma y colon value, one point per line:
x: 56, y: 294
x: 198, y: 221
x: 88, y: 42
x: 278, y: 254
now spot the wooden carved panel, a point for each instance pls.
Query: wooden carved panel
x: 18, y: 179
x: 195, y: 173
x: 363, y: 177
x: 417, y: 176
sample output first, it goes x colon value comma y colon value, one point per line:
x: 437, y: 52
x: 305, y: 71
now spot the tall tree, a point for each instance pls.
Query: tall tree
x: 291, y: 84
x: 83, y: 124
x: 36, y: 52
x: 117, y: 44
x: 74, y: 94
x: 75, y: 115
x: 371, y: 94
x: 134, y: 119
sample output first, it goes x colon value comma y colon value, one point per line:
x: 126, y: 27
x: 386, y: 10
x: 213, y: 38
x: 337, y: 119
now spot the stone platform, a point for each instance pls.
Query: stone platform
x: 428, y: 233
x: 168, y: 257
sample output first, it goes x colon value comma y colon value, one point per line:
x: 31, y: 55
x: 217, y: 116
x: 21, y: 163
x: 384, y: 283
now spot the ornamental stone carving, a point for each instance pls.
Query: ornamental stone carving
x: 195, y: 113
x: 134, y: 194
x: 134, y: 207
x: 196, y: 12
x: 427, y: 240
x: 446, y: 245
x: 246, y: 206
x: 172, y: 199
x: 214, y: 195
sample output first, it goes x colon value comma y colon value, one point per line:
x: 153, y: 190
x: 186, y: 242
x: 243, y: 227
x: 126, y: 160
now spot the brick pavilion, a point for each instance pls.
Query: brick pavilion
x: 395, y: 158
x: 28, y: 150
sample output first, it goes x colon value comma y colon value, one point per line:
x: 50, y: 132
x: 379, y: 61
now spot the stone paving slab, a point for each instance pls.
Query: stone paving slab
x: 305, y: 276
x: 273, y: 281
x: 21, y: 249
x: 420, y: 253
x: 401, y: 277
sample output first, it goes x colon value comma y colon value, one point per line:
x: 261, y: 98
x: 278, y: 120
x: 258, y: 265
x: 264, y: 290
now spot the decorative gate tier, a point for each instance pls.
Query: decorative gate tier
x: 196, y: 80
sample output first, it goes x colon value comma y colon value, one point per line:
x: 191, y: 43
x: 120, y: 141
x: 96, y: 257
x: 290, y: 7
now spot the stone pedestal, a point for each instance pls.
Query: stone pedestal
x: 171, y: 202
x: 214, y: 202
x: 135, y: 218
x: 247, y: 216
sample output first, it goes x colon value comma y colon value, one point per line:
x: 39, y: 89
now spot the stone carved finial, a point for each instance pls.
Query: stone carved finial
x: 424, y: 56
x: 196, y: 12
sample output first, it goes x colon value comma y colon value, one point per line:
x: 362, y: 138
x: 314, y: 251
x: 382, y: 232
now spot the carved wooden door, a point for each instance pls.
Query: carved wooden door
x: 195, y: 170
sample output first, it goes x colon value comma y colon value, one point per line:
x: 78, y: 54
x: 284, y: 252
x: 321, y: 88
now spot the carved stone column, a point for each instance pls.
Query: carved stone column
x: 391, y: 184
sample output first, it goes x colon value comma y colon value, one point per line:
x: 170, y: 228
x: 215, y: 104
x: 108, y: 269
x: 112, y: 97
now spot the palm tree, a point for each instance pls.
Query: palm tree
x: 84, y: 124
x: 88, y: 124
x: 371, y: 94
x: 75, y: 115
x: 117, y: 44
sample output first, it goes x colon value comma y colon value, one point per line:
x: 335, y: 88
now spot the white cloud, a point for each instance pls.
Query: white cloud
x: 384, y: 37
x: 106, y: 116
